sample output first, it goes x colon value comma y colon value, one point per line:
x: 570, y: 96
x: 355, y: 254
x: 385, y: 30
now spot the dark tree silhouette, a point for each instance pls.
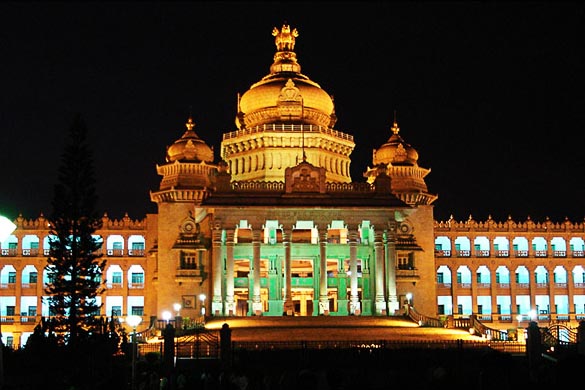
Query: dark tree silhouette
x: 74, y: 265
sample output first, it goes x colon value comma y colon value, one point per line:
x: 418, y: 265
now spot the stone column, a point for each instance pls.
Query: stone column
x: 323, y: 299
x: 379, y: 276
x: 18, y: 291
x: 532, y: 284
x: 393, y: 304
x: 571, y: 293
x: 354, y: 303
x: 230, y: 304
x: 454, y: 288
x: 550, y: 278
x: 288, y: 305
x: 217, y: 273
x: 256, y: 297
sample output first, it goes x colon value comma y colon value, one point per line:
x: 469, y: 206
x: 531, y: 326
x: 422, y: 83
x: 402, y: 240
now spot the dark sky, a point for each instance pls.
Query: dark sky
x: 491, y: 94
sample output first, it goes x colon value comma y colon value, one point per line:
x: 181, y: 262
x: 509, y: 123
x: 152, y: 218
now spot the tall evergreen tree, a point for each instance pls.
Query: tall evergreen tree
x: 74, y: 266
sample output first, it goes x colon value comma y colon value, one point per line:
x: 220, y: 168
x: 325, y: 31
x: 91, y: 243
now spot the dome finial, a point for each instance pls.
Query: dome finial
x: 395, y: 128
x: 190, y: 123
x: 285, y: 38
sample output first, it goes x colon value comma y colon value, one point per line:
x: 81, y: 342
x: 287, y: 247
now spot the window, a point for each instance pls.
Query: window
x: 10, y: 310
x: 32, y: 311
x: 137, y: 310
x: 116, y: 310
x: 32, y: 277
x: 137, y: 278
x: 440, y: 278
x: 405, y: 261
x: 117, y: 277
x: 11, y: 277
x: 188, y: 260
x: 10, y: 341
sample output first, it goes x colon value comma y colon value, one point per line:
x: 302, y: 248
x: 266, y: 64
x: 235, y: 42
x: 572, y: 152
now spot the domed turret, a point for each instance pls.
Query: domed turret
x: 189, y: 147
x: 187, y: 171
x: 395, y: 151
x: 399, y: 160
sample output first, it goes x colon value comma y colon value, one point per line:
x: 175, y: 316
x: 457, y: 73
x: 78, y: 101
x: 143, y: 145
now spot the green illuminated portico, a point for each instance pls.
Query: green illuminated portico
x: 304, y: 247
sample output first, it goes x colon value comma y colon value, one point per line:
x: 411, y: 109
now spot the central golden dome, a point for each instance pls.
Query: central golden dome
x: 285, y: 95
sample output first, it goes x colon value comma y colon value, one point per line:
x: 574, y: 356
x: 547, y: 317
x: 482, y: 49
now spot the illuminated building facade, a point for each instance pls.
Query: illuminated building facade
x: 277, y: 227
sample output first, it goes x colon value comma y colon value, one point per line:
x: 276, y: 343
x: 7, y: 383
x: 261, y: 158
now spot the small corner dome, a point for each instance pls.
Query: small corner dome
x: 395, y: 151
x: 190, y: 147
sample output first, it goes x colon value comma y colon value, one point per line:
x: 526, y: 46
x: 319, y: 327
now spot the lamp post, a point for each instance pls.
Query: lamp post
x: 202, y: 299
x: 133, y: 321
x: 6, y: 229
x: 177, y: 308
x: 166, y: 315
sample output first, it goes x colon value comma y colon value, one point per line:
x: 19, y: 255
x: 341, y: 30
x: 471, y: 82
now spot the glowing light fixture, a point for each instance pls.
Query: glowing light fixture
x: 177, y: 308
x: 202, y: 299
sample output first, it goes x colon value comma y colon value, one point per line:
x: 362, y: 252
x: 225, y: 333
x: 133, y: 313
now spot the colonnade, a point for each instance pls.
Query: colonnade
x: 371, y: 293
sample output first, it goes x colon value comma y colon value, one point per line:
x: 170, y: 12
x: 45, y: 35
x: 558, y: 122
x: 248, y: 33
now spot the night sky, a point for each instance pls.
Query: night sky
x: 491, y: 94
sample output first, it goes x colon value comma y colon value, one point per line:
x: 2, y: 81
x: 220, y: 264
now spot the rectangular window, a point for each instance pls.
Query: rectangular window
x: 32, y: 277
x: 11, y: 277
x: 116, y: 311
x: 137, y: 310
x: 499, y: 309
x: 137, y: 278
x: 440, y: 278
x: 459, y: 309
x: 10, y: 310
x: 478, y: 277
x: 188, y: 260
x: 117, y: 277
x: 438, y: 247
x: 497, y: 277
x: 118, y: 245
x: 138, y: 246
x: 459, y: 277
x: 32, y: 311
x: 441, y: 309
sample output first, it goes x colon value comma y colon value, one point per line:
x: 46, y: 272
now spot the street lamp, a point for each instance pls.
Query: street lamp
x: 166, y: 315
x: 177, y: 308
x: 133, y: 321
x: 6, y: 229
x: 408, y: 298
x: 202, y: 299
